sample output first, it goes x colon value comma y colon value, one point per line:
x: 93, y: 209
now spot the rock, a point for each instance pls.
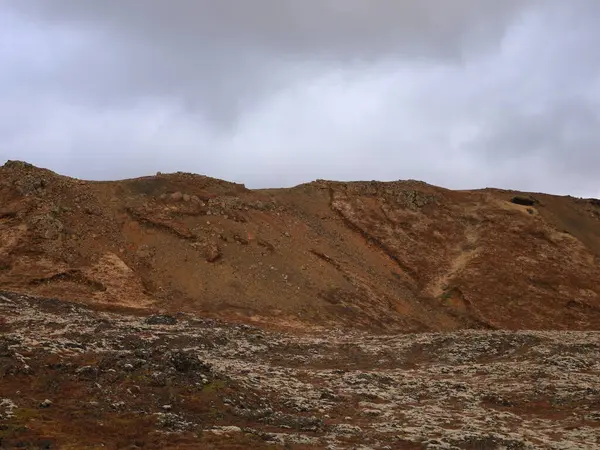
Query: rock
x: 270, y: 247
x: 240, y: 240
x: 46, y: 404
x: 414, y: 200
x: 31, y: 184
x: 17, y: 164
x: 87, y: 371
x: 159, y: 379
x: 46, y: 226
x: 186, y: 362
x: 7, y: 406
x: 92, y: 211
x: 5, y: 351
x: 176, y: 196
x: 212, y: 252
x: 186, y: 198
x: 347, y: 429
x: 225, y: 429
x: 161, y: 319
x: 167, y: 407
x: 173, y: 422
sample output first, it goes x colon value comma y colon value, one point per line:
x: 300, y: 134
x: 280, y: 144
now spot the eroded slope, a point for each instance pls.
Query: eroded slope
x: 403, y: 256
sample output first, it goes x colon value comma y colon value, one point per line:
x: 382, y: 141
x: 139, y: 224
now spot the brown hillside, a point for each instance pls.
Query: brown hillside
x: 401, y: 256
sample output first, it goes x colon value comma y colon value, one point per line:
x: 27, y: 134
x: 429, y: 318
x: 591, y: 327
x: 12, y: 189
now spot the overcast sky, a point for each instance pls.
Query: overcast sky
x: 458, y: 93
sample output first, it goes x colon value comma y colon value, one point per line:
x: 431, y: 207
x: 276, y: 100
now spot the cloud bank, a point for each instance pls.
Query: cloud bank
x: 463, y: 94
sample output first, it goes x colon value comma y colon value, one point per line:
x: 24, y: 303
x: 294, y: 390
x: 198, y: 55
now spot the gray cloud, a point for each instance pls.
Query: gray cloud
x: 218, y: 56
x: 467, y: 93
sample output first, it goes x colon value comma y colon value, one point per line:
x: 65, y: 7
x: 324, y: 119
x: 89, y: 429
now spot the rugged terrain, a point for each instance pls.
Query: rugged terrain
x: 400, y: 256
x: 180, y: 311
x: 74, y: 377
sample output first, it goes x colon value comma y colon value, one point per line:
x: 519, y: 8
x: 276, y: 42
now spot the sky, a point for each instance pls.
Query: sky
x: 273, y: 93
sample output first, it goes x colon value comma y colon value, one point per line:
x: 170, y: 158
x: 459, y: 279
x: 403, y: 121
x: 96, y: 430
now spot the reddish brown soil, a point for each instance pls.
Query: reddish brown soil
x: 401, y: 256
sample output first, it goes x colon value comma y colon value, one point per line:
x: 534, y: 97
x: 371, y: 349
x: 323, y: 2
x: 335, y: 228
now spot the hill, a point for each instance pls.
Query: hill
x: 399, y: 256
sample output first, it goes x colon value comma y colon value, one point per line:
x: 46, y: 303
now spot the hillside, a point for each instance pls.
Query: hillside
x: 396, y: 257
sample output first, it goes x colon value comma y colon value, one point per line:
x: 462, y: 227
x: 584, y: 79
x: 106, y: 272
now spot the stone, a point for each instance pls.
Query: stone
x: 225, y: 429
x: 46, y: 226
x: 161, y: 319
x: 159, y: 379
x: 176, y: 196
x: 212, y: 252
x: 186, y: 362
x: 46, y: 404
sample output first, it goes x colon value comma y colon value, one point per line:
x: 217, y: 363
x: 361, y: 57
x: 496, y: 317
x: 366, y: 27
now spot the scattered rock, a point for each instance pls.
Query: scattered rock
x: 467, y: 389
x: 159, y: 379
x: 186, y: 362
x: 173, y: 422
x: 225, y: 430
x: 161, y: 319
x: 7, y: 407
x: 46, y: 226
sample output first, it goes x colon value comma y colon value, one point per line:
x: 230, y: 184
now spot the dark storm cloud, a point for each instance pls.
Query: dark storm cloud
x: 218, y: 55
x: 464, y: 93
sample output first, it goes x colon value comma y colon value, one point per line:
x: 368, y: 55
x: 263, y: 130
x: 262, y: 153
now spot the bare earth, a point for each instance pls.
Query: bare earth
x: 180, y: 311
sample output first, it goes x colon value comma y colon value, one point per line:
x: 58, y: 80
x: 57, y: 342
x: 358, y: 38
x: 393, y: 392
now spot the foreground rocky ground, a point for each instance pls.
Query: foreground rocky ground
x: 73, y: 377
